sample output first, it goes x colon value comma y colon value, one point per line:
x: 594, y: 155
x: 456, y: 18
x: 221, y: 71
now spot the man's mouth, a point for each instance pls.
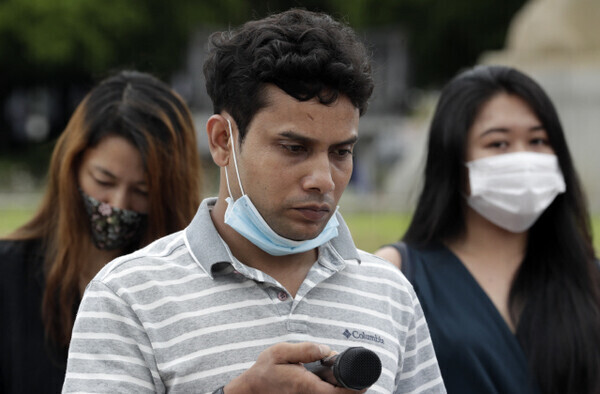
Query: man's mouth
x: 314, y: 212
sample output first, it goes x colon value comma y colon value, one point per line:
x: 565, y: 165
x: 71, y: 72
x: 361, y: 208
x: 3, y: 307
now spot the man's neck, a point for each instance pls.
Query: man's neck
x: 289, y: 270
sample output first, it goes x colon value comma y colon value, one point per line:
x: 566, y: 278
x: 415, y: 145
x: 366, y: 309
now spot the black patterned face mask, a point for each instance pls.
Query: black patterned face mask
x: 113, y: 228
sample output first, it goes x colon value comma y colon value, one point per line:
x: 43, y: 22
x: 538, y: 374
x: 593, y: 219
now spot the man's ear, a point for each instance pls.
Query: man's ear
x: 218, y: 139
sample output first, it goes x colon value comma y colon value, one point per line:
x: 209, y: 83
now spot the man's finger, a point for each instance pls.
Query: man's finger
x: 294, y: 353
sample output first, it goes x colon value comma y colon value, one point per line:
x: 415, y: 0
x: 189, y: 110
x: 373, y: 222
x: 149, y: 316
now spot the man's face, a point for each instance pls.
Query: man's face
x: 296, y: 160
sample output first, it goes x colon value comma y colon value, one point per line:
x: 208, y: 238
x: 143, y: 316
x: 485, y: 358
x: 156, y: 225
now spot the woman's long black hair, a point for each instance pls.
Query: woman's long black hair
x: 555, y: 295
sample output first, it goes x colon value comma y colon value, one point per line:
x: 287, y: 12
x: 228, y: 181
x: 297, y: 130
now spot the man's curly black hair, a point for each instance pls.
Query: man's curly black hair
x: 304, y: 53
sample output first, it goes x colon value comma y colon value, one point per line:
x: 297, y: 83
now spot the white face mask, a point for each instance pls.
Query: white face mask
x: 512, y: 190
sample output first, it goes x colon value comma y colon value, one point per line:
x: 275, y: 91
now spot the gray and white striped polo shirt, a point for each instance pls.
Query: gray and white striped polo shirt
x: 183, y: 315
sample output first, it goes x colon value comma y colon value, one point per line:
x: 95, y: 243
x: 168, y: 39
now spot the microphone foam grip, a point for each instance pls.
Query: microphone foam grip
x: 357, y: 368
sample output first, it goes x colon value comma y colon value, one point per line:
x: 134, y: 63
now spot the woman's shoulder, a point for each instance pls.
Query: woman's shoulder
x: 11, y: 247
x: 419, y: 260
x: 434, y: 251
x: 16, y: 247
x: 18, y: 254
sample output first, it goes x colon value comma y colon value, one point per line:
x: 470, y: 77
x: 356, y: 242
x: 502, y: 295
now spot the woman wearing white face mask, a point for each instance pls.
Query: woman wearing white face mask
x: 499, y: 249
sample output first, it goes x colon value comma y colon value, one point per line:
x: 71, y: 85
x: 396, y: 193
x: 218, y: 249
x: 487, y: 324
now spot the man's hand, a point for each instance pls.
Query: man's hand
x: 279, y: 369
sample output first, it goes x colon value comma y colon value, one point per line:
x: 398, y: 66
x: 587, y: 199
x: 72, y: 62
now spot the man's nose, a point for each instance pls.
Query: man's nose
x: 319, y: 176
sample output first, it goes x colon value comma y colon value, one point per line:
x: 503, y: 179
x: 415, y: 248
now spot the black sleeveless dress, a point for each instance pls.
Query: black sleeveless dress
x: 475, y: 348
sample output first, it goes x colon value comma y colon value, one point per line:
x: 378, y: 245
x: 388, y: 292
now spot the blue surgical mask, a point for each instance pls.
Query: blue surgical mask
x: 244, y: 218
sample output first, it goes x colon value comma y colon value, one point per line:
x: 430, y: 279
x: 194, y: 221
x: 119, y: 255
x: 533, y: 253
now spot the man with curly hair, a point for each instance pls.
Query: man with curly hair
x: 266, y: 277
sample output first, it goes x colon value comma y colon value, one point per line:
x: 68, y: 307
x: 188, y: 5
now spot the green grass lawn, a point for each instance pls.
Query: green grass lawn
x: 11, y: 218
x: 370, y: 230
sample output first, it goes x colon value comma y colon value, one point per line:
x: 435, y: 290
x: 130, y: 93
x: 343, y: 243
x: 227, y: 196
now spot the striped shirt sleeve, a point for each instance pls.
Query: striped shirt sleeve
x: 109, y: 350
x: 420, y: 372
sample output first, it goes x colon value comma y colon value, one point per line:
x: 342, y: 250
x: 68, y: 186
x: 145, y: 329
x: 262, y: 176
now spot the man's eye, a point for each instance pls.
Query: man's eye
x: 294, y: 148
x: 344, y: 152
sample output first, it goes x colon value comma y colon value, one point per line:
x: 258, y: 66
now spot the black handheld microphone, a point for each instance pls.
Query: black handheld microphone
x: 355, y: 368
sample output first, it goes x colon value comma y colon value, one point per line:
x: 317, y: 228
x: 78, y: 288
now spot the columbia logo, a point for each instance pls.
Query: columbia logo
x: 362, y: 335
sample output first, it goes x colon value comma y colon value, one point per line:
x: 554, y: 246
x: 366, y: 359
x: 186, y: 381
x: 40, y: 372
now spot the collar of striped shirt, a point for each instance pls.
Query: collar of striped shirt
x: 202, y: 232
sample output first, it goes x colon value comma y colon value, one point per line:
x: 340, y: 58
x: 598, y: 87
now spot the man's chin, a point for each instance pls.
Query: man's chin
x: 301, y: 234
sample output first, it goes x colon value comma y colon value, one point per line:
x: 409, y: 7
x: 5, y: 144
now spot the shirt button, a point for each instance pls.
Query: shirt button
x: 282, y: 295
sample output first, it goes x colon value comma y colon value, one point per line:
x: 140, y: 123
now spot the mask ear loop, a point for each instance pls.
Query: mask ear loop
x: 237, y: 172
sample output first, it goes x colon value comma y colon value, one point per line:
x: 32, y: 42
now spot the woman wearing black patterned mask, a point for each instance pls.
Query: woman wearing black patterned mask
x: 124, y: 172
x: 499, y: 249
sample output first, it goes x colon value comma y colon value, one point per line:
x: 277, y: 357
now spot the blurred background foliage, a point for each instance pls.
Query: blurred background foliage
x: 73, y: 40
x: 65, y: 46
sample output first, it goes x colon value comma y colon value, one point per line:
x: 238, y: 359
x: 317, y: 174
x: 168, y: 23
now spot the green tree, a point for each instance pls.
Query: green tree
x: 71, y: 39
x: 67, y: 44
x: 67, y: 40
x: 444, y: 36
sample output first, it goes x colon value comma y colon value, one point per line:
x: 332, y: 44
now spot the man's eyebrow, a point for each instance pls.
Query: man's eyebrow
x: 307, y: 140
x: 349, y: 141
x: 297, y: 137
